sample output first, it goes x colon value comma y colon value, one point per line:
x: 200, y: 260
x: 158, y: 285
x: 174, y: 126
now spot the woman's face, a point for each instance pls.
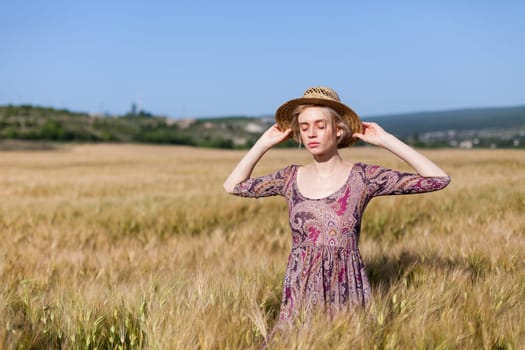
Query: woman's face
x: 316, y: 130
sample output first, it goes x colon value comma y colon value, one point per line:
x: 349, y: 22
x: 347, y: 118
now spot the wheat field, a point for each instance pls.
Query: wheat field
x: 132, y: 246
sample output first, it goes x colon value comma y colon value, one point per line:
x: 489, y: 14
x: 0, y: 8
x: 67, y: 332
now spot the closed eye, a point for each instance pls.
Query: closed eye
x: 320, y: 125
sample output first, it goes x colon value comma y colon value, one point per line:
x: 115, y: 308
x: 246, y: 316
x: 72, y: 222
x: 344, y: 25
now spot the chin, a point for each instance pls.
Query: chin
x: 317, y: 152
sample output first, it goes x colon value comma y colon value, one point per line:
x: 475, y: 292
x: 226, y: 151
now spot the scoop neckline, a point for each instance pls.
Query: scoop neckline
x: 296, y: 185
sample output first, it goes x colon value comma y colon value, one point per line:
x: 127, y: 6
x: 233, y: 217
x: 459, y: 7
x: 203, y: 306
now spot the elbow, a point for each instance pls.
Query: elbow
x: 447, y: 180
x: 439, y: 173
x: 443, y: 181
x: 229, y: 188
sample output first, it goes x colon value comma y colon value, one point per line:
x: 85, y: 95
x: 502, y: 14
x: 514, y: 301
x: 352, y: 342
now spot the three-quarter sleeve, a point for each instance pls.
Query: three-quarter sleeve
x: 264, y: 186
x: 383, y: 181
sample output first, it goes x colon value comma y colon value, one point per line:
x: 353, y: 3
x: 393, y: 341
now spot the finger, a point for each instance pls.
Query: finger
x: 369, y: 124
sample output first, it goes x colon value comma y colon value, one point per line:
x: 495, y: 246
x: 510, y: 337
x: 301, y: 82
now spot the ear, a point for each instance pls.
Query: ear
x: 339, y: 132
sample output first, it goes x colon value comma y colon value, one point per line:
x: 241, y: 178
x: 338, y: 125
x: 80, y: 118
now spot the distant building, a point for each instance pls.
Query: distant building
x: 466, y: 144
x: 134, y: 109
x: 254, y: 128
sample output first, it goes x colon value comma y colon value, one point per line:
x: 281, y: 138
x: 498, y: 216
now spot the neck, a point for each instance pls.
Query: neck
x: 327, y: 157
x: 326, y: 165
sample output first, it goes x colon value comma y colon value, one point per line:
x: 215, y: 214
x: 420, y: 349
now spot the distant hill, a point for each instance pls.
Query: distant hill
x: 36, y: 123
x: 476, y: 127
x: 410, y: 124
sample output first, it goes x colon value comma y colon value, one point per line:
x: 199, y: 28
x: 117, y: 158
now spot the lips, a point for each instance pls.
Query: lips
x: 312, y: 144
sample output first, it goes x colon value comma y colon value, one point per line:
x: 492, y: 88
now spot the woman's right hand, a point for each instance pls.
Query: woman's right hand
x: 271, y: 137
x: 274, y: 136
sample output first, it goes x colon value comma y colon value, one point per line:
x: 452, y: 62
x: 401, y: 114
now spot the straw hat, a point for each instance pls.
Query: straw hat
x: 321, y: 96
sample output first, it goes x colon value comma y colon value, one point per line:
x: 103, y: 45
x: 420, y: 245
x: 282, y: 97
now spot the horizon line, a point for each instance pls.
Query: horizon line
x: 263, y: 115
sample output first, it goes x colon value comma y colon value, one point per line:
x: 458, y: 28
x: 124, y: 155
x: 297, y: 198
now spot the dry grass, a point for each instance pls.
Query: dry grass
x: 121, y: 247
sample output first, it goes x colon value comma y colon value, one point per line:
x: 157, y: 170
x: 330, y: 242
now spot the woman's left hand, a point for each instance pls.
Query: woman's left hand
x: 373, y: 134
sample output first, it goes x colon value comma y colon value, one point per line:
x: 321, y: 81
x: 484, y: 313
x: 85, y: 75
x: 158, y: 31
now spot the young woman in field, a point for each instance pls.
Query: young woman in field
x: 327, y: 198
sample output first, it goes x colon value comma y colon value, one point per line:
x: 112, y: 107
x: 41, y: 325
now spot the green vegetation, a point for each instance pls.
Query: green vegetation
x: 46, y: 124
x: 469, y: 128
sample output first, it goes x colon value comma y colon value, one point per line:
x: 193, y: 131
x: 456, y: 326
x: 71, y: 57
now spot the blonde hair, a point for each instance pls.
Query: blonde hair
x: 336, y: 121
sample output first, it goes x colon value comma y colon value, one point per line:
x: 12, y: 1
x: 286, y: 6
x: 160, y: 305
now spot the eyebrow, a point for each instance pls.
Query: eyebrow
x: 315, y: 121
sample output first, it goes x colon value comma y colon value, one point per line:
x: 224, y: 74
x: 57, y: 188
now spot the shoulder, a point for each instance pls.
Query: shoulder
x: 364, y: 167
x: 283, y: 177
x: 286, y: 173
x: 289, y: 169
x: 370, y: 169
x: 370, y: 173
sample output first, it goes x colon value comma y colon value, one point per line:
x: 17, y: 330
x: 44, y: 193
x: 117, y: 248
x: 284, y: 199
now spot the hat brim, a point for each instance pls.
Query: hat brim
x: 283, y: 115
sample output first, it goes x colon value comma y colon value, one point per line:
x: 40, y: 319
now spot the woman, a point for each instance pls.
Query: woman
x: 327, y: 198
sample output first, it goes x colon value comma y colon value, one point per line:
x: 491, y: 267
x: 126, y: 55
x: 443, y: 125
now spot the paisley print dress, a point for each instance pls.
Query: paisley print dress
x: 325, y: 269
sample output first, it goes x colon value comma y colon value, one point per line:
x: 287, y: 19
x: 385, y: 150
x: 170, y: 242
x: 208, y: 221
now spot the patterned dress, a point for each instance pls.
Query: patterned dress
x: 325, y: 268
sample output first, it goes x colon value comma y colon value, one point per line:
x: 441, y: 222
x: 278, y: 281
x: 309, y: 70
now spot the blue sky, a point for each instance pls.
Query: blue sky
x: 216, y: 58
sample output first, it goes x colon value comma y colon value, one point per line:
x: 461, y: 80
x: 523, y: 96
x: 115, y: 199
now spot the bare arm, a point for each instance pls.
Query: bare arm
x: 375, y: 135
x: 244, y: 168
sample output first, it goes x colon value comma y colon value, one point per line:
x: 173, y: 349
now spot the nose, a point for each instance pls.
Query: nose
x: 312, y: 132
